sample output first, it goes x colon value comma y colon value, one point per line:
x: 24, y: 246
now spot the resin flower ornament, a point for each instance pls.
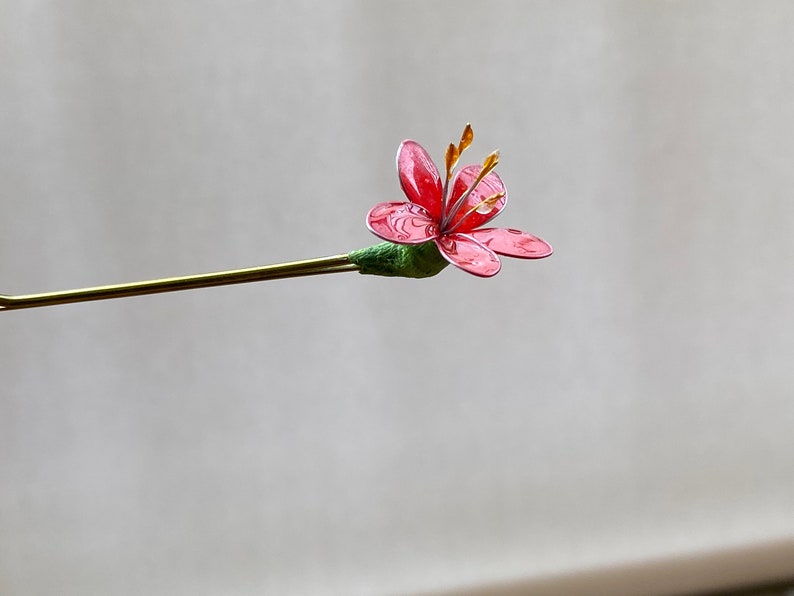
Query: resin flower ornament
x: 441, y: 223
x: 451, y: 211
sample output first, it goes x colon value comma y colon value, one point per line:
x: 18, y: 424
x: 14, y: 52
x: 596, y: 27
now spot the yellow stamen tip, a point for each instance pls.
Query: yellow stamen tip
x: 487, y: 205
x: 492, y: 158
x: 466, y: 138
x: 490, y: 162
x: 451, y: 159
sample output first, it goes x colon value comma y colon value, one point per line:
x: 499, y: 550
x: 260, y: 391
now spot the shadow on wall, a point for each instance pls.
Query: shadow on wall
x: 758, y: 570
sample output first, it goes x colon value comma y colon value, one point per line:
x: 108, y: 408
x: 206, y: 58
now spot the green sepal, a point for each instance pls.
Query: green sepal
x: 399, y: 260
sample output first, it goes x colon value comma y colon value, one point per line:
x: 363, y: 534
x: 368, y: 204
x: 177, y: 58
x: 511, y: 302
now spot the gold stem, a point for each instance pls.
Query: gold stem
x: 334, y: 264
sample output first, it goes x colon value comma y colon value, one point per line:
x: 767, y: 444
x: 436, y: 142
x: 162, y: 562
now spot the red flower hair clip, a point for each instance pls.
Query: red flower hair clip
x: 450, y: 212
x: 441, y: 223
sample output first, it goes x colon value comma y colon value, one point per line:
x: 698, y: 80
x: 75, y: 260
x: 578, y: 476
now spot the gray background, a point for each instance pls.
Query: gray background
x: 628, y: 399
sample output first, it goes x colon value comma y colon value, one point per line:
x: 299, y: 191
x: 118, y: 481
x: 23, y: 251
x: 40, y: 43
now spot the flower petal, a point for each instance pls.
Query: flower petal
x: 512, y: 243
x: 465, y: 252
x: 419, y: 177
x: 490, y: 185
x: 403, y: 223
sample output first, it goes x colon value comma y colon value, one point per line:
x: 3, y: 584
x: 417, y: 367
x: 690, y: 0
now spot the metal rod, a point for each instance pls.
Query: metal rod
x: 334, y: 264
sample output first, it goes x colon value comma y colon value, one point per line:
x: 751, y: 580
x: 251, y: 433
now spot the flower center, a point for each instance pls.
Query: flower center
x: 488, y: 204
x: 484, y: 207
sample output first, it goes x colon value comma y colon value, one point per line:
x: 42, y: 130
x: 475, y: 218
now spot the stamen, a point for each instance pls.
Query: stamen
x: 490, y: 163
x: 451, y: 159
x: 487, y: 167
x: 483, y: 208
x: 452, y: 155
x: 466, y: 138
x: 487, y: 205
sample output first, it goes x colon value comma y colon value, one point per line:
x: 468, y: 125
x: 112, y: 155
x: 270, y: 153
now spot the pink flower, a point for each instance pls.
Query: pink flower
x: 451, y: 211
